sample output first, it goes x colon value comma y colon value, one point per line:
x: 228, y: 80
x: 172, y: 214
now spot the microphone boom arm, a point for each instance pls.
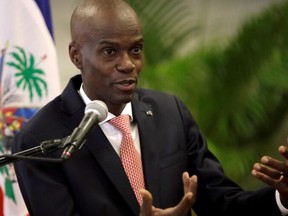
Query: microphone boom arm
x: 44, y: 148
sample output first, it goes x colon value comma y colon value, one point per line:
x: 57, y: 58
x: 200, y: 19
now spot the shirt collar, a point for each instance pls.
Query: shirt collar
x: 127, y: 109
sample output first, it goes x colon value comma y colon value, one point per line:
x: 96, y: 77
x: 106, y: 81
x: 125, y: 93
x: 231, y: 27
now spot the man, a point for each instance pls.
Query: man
x: 107, y: 47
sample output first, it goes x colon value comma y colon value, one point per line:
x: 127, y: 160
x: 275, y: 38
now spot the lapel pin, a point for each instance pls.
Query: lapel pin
x: 149, y: 113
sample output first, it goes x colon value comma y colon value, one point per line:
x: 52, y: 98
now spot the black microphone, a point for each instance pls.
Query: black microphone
x: 95, y: 112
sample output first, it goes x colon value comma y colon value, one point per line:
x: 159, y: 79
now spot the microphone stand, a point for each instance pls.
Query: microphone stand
x: 44, y: 147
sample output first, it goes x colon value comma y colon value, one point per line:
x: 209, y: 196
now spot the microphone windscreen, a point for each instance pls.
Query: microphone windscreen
x: 98, y: 107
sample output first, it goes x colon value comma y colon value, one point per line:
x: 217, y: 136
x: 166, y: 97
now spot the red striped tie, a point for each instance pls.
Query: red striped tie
x: 131, y: 159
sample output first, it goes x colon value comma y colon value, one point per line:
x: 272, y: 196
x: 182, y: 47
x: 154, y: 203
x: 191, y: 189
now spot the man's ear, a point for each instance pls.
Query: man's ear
x: 74, y: 54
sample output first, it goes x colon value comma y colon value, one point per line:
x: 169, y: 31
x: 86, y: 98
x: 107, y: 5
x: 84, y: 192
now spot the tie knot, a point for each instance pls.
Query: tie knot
x: 122, y: 123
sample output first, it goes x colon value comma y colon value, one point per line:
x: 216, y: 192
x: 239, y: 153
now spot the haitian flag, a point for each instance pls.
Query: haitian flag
x: 29, y: 78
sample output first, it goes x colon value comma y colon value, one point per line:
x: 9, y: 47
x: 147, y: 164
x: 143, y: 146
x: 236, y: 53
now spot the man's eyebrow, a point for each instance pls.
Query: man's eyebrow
x: 140, y: 40
x: 111, y: 42
x: 107, y: 42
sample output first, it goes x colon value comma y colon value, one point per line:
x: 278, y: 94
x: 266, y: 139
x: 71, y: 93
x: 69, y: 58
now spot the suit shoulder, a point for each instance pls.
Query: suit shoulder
x: 158, y: 98
x: 153, y: 93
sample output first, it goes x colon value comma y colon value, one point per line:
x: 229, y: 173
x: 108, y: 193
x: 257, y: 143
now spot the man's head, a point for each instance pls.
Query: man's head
x: 107, y: 47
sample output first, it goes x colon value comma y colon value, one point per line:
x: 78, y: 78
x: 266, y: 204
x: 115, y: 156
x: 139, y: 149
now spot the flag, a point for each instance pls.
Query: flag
x: 29, y: 78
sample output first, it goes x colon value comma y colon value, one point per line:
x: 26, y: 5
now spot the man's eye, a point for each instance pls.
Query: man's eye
x: 109, y: 51
x: 137, y: 50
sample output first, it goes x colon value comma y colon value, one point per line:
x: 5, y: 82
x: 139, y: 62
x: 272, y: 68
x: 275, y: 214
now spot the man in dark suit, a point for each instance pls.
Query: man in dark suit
x: 178, y: 168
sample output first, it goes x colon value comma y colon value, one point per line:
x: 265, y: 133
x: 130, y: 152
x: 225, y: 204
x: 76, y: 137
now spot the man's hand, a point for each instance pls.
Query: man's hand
x: 183, y: 207
x: 274, y: 173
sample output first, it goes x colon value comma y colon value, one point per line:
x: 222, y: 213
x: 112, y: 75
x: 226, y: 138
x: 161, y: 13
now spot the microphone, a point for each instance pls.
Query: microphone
x: 95, y: 112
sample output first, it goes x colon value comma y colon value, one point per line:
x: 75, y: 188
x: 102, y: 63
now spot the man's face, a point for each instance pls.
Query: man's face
x: 111, y: 58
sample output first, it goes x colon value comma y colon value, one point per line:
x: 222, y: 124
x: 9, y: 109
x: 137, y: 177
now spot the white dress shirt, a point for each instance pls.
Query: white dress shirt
x: 113, y: 134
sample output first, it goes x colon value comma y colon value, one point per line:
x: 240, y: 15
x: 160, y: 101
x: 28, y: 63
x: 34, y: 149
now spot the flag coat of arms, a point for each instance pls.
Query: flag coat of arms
x: 29, y: 78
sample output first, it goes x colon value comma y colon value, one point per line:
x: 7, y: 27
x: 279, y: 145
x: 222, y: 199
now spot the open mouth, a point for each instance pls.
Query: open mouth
x: 126, y: 82
x: 126, y: 85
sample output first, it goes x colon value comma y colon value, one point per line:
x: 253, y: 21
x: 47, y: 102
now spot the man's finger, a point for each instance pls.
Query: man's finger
x: 190, y: 183
x: 146, y: 207
x: 188, y: 200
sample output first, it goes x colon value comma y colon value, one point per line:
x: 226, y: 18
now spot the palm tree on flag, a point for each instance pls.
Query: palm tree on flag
x: 28, y: 75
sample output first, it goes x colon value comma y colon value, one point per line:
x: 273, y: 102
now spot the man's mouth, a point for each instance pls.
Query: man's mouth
x: 126, y: 82
x: 126, y: 85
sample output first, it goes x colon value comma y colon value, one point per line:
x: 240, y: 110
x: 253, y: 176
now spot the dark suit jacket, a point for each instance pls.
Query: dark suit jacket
x: 93, y: 181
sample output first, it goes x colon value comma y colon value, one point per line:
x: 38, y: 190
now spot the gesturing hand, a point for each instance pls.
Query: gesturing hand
x: 181, y: 209
x: 275, y: 173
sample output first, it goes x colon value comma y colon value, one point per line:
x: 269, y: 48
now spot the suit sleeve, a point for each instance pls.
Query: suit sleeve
x: 217, y: 194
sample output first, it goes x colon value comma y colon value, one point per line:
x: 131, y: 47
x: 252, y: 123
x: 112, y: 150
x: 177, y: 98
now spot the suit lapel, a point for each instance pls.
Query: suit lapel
x: 144, y: 116
x: 111, y: 164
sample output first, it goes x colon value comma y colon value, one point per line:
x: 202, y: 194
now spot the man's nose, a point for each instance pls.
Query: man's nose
x: 125, y: 64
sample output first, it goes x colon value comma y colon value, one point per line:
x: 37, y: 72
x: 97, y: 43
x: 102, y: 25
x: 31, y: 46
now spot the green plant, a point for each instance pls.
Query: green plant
x: 237, y: 93
x: 166, y: 26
